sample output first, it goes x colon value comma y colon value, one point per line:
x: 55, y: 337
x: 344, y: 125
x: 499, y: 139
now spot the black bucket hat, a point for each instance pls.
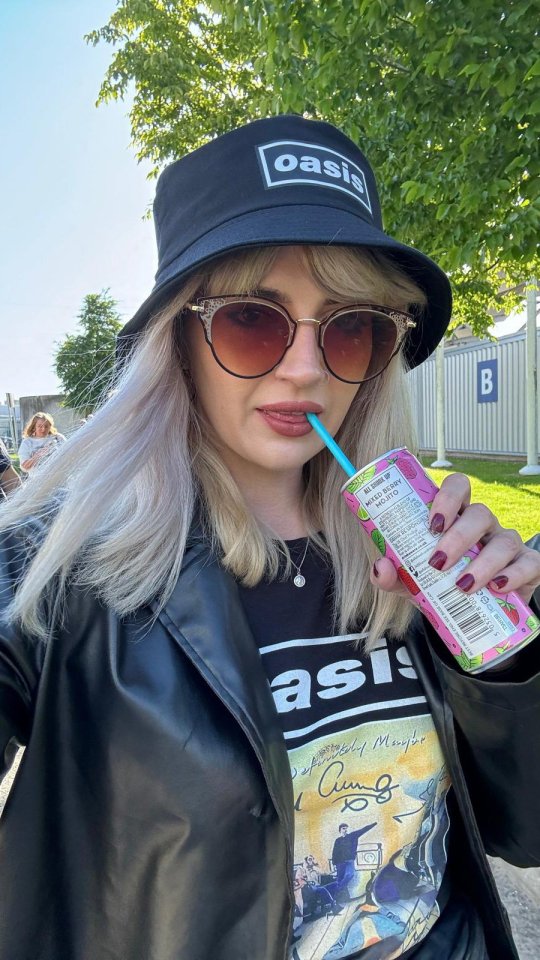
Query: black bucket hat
x: 282, y: 180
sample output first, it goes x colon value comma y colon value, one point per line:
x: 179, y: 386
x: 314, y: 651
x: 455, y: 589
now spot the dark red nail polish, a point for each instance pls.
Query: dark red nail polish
x: 500, y: 582
x: 437, y: 523
x: 375, y: 571
x: 438, y: 560
x: 465, y: 582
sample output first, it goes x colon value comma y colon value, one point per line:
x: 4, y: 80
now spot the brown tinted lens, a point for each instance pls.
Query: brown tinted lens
x: 358, y: 344
x: 249, y: 338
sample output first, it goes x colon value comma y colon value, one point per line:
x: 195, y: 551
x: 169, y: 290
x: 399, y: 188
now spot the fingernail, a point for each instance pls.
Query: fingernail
x: 465, y: 582
x: 437, y: 523
x: 375, y: 571
x: 438, y: 559
x: 500, y: 582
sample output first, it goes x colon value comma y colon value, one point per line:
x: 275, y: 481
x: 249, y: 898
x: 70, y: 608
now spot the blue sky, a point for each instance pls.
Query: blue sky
x: 73, y: 195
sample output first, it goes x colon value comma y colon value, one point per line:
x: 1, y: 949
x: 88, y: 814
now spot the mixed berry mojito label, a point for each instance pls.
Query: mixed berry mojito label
x: 402, y: 519
x: 391, y: 498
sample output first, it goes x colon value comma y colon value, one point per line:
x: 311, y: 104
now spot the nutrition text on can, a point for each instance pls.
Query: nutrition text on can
x: 391, y: 498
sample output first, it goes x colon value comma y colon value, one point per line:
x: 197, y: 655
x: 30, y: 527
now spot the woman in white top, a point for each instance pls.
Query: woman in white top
x: 40, y: 437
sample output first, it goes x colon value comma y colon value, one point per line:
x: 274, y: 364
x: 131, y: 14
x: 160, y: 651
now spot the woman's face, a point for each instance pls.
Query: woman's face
x: 42, y: 427
x: 260, y: 424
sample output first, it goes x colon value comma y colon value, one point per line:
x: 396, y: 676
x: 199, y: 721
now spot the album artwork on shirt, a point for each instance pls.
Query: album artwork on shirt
x: 370, y: 788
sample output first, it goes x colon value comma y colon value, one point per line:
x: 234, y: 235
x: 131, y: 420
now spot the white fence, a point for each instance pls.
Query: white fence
x: 485, y: 398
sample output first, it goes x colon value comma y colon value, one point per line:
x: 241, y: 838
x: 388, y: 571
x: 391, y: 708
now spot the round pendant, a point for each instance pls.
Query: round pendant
x: 299, y: 580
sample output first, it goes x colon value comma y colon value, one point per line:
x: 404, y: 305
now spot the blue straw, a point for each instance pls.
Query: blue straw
x: 343, y: 461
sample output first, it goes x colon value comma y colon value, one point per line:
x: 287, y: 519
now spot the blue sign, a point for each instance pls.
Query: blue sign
x: 487, y: 386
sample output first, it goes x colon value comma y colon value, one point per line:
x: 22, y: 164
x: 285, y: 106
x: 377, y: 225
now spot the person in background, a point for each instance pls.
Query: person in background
x: 317, y: 896
x: 9, y: 478
x: 210, y: 664
x: 40, y: 438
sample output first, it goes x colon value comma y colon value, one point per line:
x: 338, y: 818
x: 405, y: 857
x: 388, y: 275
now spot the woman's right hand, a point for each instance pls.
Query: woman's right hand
x: 35, y: 458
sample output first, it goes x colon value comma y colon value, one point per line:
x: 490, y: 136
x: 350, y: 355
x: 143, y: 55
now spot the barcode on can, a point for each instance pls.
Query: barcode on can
x: 464, y: 612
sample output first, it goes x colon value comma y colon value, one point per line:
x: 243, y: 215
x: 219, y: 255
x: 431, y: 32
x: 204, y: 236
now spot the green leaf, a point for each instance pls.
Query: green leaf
x: 470, y: 68
x: 534, y: 71
x: 379, y: 541
x: 469, y: 664
x: 443, y: 211
x: 365, y: 476
x: 412, y: 192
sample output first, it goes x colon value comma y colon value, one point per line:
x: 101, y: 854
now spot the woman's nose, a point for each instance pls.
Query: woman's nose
x: 303, y: 361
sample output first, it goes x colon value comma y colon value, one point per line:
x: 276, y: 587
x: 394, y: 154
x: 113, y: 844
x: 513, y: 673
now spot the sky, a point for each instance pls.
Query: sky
x: 73, y: 195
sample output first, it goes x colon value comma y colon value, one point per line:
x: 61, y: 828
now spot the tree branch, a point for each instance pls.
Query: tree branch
x: 404, y: 20
x: 391, y: 64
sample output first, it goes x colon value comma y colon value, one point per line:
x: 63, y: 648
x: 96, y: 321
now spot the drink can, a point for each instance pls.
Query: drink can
x: 391, y: 498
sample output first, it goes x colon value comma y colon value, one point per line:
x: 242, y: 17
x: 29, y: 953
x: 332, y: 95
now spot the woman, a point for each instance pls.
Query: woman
x: 40, y: 438
x: 185, y: 651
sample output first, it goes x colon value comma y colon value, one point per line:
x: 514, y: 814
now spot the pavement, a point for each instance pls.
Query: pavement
x: 519, y: 890
x: 520, y: 893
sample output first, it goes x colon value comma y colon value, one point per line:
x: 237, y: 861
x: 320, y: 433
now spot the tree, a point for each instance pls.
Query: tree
x: 443, y: 97
x: 84, y: 361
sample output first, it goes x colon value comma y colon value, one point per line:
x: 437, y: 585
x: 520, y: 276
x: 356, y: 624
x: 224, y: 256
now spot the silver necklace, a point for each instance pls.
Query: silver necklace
x: 300, y: 580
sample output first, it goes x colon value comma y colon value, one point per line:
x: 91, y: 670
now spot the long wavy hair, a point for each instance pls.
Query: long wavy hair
x: 30, y: 428
x: 116, y: 503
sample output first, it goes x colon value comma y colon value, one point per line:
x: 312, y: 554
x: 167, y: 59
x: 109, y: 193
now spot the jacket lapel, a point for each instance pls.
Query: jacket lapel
x: 205, y: 617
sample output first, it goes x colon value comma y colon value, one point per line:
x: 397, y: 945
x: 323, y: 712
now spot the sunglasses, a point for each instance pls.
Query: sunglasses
x: 249, y: 336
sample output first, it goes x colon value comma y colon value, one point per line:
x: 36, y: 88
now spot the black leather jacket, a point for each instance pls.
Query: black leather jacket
x: 152, y: 814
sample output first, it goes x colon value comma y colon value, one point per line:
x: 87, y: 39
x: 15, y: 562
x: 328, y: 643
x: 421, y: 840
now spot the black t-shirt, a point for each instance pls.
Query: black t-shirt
x: 370, y: 784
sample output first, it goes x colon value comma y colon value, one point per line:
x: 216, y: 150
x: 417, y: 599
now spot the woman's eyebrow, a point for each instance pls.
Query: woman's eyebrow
x: 268, y: 293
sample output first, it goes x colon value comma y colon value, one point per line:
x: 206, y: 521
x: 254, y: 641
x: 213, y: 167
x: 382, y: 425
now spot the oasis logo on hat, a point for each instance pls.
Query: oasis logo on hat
x: 293, y: 162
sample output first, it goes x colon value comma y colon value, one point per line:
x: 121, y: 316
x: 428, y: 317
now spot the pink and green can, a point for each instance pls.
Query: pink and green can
x: 391, y: 498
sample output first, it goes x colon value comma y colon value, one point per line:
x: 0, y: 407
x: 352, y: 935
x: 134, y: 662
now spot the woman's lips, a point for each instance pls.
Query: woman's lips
x: 289, y: 419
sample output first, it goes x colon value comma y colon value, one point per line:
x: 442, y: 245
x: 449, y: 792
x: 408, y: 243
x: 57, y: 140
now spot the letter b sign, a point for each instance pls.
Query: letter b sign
x: 487, y: 381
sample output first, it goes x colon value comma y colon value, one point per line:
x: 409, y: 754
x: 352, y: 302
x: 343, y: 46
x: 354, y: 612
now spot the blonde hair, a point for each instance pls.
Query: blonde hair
x: 119, y: 498
x: 30, y: 428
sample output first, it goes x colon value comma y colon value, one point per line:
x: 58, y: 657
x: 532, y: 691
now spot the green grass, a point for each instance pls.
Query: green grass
x: 514, y: 499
